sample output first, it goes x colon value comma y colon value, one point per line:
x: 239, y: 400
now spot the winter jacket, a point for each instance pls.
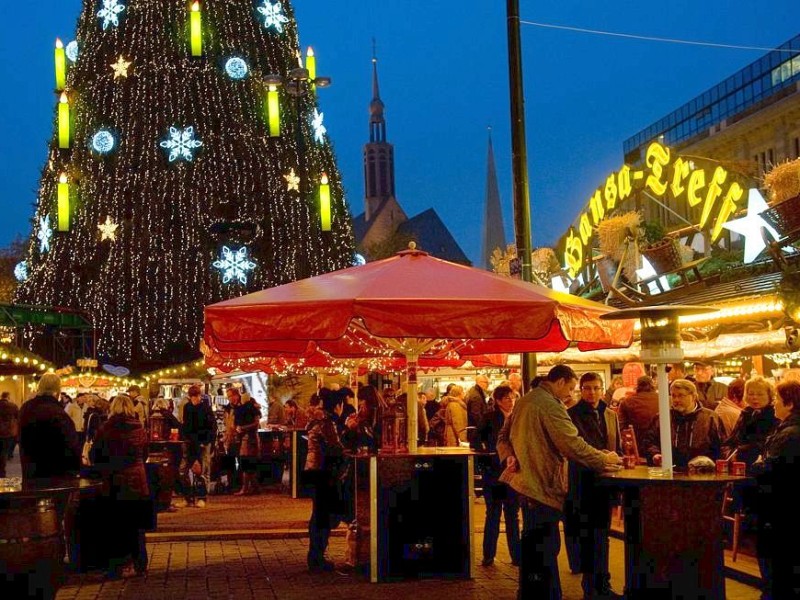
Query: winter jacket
x: 542, y: 437
x: 728, y: 412
x: 199, y: 424
x: 750, y: 433
x: 711, y: 393
x: 48, y: 441
x: 488, y: 433
x: 118, y: 454
x: 324, y: 448
x: 695, y: 434
x: 638, y: 410
x: 9, y: 419
x: 456, y: 420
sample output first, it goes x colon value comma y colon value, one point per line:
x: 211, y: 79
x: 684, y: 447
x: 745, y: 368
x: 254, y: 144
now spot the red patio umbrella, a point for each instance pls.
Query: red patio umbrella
x: 409, y: 306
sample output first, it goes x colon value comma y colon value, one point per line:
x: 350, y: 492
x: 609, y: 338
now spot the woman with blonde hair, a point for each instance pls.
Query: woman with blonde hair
x: 756, y: 422
x: 119, y: 453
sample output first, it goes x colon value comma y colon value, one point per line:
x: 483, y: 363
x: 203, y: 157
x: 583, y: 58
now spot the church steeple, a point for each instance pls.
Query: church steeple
x: 378, y: 153
x: 493, y: 231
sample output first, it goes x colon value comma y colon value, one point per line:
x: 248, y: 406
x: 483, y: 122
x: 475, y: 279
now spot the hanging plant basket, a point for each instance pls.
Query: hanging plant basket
x: 664, y: 255
x: 785, y: 216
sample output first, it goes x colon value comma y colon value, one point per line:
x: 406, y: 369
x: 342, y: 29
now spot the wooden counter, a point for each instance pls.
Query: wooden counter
x: 673, y: 533
x: 415, y: 513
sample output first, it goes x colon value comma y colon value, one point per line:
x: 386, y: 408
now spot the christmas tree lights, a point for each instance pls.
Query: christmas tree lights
x: 226, y: 186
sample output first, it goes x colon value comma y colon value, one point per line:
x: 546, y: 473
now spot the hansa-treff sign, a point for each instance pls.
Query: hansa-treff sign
x: 664, y: 176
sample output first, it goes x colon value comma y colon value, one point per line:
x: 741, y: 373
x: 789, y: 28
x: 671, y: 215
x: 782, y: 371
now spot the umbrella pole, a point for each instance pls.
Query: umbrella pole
x: 665, y: 430
x: 411, y: 400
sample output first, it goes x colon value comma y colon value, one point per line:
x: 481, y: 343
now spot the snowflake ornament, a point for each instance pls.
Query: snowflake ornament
x: 273, y: 15
x: 181, y: 144
x: 21, y: 271
x: 44, y: 234
x: 319, y: 128
x: 109, y: 12
x: 234, y: 265
x: 292, y: 181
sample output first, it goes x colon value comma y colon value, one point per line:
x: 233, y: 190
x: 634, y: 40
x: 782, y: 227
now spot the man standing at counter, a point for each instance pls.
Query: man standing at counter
x: 536, y: 446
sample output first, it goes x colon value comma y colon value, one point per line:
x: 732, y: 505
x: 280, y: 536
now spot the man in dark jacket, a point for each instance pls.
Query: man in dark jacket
x: 709, y: 392
x: 476, y: 408
x: 199, y: 432
x: 587, y: 510
x: 695, y: 430
x: 48, y: 441
x: 9, y: 429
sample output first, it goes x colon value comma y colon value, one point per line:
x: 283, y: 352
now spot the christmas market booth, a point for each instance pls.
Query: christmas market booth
x: 377, y: 310
x: 684, y: 230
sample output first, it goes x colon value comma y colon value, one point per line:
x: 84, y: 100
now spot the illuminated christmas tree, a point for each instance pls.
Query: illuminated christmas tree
x: 189, y: 164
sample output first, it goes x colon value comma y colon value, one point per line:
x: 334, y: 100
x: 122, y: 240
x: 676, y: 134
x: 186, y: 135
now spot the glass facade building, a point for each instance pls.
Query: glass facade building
x: 759, y: 84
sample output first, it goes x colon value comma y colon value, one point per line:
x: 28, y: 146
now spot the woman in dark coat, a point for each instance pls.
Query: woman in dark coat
x: 755, y: 424
x: 119, y: 452
x: 323, y: 470
x: 777, y: 473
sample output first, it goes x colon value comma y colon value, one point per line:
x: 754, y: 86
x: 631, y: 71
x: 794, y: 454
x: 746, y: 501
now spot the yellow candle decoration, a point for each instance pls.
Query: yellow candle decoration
x: 325, y: 203
x: 311, y: 66
x: 61, y: 66
x: 273, y: 111
x: 63, y: 203
x: 196, y: 27
x: 63, y: 122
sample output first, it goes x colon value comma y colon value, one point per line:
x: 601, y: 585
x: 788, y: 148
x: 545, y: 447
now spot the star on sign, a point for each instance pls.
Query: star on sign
x: 108, y: 230
x: 751, y: 225
x: 293, y: 181
x: 121, y: 67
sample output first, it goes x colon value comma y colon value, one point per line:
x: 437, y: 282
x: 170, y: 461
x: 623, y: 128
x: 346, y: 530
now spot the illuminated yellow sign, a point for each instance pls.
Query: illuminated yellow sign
x: 663, y: 177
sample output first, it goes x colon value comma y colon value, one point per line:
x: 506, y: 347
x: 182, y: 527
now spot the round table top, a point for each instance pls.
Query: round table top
x: 643, y: 475
x: 15, y: 487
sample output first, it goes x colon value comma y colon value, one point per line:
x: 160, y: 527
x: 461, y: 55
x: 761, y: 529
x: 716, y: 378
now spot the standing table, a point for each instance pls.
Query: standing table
x: 673, y: 533
x: 415, y: 513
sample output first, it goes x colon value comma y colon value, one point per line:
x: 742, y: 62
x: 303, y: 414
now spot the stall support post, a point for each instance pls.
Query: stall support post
x: 411, y: 400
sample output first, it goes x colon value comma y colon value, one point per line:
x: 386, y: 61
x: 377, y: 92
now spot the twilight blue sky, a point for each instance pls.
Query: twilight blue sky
x: 444, y: 79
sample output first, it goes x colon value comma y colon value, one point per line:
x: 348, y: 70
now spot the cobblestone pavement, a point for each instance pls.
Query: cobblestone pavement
x: 275, y: 569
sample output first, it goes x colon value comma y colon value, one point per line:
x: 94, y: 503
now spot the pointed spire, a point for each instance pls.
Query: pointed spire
x: 376, y: 105
x: 493, y: 230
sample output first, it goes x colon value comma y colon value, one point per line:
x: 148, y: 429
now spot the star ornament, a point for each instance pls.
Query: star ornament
x: 292, y: 181
x: 121, y: 67
x: 750, y: 226
x: 108, y: 230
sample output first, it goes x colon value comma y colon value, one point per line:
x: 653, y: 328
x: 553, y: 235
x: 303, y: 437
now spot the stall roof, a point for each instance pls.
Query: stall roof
x: 16, y: 315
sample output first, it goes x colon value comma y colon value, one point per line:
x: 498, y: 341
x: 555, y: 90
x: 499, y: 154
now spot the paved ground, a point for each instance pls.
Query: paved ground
x: 255, y: 547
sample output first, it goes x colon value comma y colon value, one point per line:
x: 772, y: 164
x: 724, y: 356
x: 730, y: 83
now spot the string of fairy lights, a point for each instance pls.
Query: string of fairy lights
x: 169, y: 160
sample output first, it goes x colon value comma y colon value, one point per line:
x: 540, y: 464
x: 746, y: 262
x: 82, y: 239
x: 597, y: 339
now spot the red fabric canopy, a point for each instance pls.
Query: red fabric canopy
x: 366, y: 310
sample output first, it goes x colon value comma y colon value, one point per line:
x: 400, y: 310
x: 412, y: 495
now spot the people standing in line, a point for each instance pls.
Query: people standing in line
x: 499, y: 497
x: 323, y: 469
x: 456, y: 418
x: 730, y: 407
x: 118, y: 454
x: 476, y: 403
x: 140, y: 404
x: 777, y: 524
x: 245, y: 417
x: 199, y: 435
x: 535, y: 444
x: 9, y: 429
x: 755, y: 424
x: 76, y: 409
x: 709, y: 391
x: 587, y: 511
x: 48, y: 442
x: 696, y: 431
x: 640, y: 409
